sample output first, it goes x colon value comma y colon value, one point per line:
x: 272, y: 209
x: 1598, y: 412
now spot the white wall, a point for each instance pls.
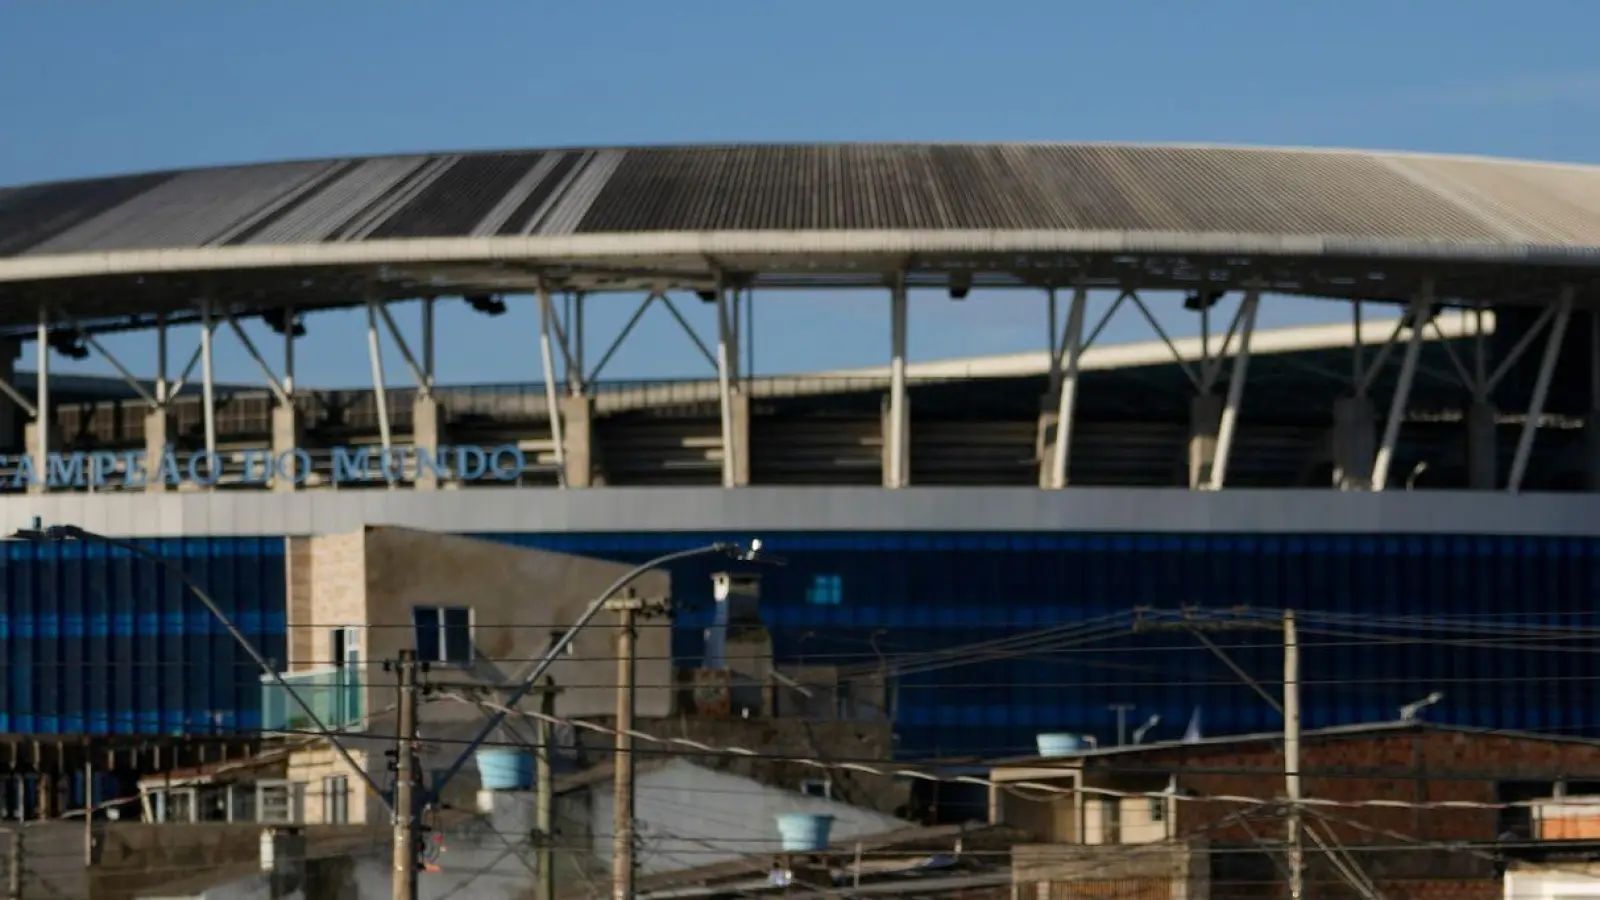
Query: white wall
x: 1567, y: 884
x: 690, y: 816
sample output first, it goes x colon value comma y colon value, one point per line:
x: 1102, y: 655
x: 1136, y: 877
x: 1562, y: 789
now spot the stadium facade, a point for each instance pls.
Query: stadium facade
x: 999, y: 532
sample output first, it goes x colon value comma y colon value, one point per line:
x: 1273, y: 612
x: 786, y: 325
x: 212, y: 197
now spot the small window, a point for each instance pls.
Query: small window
x: 1158, y: 809
x: 444, y: 634
x: 278, y: 802
x: 817, y: 787
x: 555, y: 638
x: 826, y: 590
x: 335, y: 800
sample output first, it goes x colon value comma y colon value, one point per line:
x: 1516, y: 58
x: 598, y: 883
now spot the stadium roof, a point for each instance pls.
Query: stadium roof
x: 1322, y: 222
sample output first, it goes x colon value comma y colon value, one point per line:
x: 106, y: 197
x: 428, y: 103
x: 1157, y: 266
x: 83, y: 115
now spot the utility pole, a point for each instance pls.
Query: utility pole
x: 626, y: 607
x: 1291, y: 753
x: 14, y: 865
x: 542, y: 823
x: 406, y: 859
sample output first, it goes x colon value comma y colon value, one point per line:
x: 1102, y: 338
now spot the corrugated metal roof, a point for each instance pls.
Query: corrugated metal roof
x: 1016, y: 187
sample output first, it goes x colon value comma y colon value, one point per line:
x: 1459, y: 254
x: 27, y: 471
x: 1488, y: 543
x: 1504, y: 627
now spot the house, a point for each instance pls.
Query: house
x: 1148, y: 808
x: 478, y: 613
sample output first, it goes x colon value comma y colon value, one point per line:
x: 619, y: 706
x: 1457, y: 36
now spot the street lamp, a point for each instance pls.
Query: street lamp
x: 63, y: 533
x: 751, y: 554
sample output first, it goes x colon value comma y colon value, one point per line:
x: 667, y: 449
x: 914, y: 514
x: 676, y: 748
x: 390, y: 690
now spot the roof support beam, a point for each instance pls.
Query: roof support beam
x: 1230, y: 412
x: 122, y: 370
x: 551, y: 402
x: 621, y: 336
x: 1065, y: 365
x: 1402, y: 392
x: 42, y: 417
x: 896, y: 475
x: 208, y: 385
x: 727, y: 356
x: 1177, y: 357
x: 1541, y: 390
x: 380, y: 390
x: 273, y: 384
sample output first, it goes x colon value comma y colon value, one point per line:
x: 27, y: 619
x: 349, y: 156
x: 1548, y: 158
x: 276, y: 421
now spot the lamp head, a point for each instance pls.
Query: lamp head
x: 753, y: 553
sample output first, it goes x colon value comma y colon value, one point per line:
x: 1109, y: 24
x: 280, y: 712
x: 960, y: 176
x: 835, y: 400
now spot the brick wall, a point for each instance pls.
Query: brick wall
x: 1414, y: 765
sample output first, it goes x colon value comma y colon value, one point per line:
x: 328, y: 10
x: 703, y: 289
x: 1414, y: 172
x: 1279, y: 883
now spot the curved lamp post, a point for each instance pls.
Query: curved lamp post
x: 63, y: 533
x: 531, y: 679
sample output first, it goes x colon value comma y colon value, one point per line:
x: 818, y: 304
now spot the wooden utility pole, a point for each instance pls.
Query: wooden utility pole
x: 14, y: 865
x: 1291, y: 753
x: 545, y: 796
x: 406, y: 861
x: 626, y: 608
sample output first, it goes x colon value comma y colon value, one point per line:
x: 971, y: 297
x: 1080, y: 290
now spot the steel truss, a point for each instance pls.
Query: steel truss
x: 570, y: 381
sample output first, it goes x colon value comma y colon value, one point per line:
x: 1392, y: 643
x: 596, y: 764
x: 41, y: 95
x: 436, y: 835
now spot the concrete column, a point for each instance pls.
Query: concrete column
x: 888, y: 441
x: 1354, y: 442
x: 425, y: 438
x: 288, y: 434
x: 157, y: 435
x: 1482, y: 459
x: 577, y: 419
x: 739, y: 413
x: 1205, y: 422
x: 1044, y: 444
x: 41, y: 467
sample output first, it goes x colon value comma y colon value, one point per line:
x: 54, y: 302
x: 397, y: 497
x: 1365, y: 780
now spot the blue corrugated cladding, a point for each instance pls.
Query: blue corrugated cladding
x: 911, y: 593
x: 96, y: 640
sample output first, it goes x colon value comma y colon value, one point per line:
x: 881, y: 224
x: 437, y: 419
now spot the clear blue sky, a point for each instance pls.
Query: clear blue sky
x: 89, y: 88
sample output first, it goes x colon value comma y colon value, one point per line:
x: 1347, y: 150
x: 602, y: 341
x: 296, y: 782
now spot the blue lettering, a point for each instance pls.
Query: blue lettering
x: 213, y: 470
x: 349, y: 466
x: 474, y: 470
x: 433, y: 461
x: 102, y: 464
x: 294, y: 466
x: 26, y: 475
x: 134, y: 473
x: 257, y: 466
x: 392, y: 462
x: 508, y: 462
x: 168, y: 472
x: 66, y: 469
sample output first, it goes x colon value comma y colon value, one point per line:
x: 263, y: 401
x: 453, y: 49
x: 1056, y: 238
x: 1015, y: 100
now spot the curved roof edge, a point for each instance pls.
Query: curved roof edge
x: 558, y: 249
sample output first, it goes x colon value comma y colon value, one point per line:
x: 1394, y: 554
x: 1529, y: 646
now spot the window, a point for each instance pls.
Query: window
x: 555, y: 638
x: 825, y: 590
x: 346, y: 644
x: 335, y: 800
x: 1158, y: 809
x: 444, y: 634
x: 278, y: 802
x: 817, y: 787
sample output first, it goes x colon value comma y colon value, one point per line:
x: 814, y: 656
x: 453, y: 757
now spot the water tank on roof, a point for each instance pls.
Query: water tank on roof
x: 1060, y: 744
x: 504, y: 768
x: 804, y: 832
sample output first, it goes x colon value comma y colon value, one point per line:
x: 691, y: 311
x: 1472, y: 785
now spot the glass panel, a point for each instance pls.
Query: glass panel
x: 426, y: 620
x: 458, y: 635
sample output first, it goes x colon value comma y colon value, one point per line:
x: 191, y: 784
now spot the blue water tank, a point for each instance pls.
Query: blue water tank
x: 505, y: 768
x: 804, y: 832
x: 1059, y: 744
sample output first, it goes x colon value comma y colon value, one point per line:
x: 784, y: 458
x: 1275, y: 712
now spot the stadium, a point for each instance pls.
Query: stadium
x: 995, y: 531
